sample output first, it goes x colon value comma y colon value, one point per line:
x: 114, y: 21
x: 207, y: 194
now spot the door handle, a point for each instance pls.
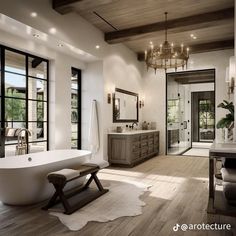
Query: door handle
x: 185, y: 124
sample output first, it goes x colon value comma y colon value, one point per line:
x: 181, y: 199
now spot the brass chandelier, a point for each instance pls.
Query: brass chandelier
x: 166, y: 56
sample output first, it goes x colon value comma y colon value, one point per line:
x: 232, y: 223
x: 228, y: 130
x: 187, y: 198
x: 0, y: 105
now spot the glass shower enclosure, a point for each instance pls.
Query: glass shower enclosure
x: 178, y: 118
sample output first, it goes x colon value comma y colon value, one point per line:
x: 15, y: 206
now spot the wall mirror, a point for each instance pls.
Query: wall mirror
x: 125, y: 106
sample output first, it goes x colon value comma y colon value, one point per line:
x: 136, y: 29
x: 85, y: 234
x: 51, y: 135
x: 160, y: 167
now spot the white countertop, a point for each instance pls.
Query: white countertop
x: 132, y: 132
x: 223, y: 147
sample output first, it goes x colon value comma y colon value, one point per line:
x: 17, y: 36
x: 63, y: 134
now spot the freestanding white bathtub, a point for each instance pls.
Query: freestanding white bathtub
x: 23, y: 179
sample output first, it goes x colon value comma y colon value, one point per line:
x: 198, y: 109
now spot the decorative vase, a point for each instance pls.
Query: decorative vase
x: 228, y: 134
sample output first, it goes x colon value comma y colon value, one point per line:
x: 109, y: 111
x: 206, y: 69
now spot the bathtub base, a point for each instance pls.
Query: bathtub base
x: 24, y: 182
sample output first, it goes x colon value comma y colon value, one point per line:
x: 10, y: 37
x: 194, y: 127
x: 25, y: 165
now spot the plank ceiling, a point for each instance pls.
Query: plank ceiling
x: 123, y: 14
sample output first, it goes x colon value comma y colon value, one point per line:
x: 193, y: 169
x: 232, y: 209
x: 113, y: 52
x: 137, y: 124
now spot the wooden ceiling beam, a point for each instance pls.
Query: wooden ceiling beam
x: 188, y: 23
x: 204, y: 47
x: 64, y: 6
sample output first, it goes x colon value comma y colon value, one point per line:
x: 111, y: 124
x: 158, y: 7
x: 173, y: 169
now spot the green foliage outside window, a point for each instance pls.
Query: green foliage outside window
x: 206, y: 114
x: 173, y: 111
x: 14, y: 108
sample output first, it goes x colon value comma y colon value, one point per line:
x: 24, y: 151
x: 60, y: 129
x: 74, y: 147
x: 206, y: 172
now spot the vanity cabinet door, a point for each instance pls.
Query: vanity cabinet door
x: 156, y: 142
x: 117, y: 149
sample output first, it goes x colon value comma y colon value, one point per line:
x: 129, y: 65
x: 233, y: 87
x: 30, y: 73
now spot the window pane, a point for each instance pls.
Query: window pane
x: 37, y: 68
x: 74, y: 99
x: 15, y: 109
x: 74, y: 115
x: 75, y: 107
x: 37, y: 147
x: 38, y: 131
x: 12, y: 131
x: 37, y: 89
x: 37, y: 111
x: 74, y: 144
x: 15, y: 85
x: 15, y: 62
x: 74, y: 83
x: 10, y: 150
x: 74, y: 130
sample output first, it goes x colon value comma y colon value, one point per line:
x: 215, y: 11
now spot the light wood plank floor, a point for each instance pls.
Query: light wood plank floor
x: 179, y: 194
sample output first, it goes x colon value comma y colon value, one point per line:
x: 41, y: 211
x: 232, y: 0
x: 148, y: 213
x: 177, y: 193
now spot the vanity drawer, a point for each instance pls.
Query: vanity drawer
x: 144, y: 143
x: 135, y: 138
x: 144, y: 150
x: 156, y: 134
x: 135, y: 145
x: 155, y: 140
x: 151, y: 135
x: 136, y: 155
x: 151, y: 141
x: 150, y: 149
x: 144, y: 136
x: 156, y: 150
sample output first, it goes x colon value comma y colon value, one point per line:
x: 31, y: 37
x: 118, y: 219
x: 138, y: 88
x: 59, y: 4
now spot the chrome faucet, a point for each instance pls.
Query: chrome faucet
x: 23, y: 143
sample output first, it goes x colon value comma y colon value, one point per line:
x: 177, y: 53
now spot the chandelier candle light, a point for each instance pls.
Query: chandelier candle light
x: 166, y: 56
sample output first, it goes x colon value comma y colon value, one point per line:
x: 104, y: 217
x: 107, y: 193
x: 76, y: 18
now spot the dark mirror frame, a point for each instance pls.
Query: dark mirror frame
x: 113, y: 106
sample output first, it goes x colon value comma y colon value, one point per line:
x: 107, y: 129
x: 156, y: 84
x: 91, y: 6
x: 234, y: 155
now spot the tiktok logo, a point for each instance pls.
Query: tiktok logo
x: 176, y: 227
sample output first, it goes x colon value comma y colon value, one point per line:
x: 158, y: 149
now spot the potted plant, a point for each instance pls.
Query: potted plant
x: 227, y: 122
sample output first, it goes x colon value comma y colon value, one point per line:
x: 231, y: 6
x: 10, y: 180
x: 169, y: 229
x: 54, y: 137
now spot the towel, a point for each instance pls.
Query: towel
x: 93, y: 137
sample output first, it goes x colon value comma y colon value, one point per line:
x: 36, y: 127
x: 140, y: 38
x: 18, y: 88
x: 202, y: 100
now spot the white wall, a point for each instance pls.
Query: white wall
x: 155, y: 88
x: 121, y: 70
x: 118, y: 68
x: 92, y: 89
x: 201, y: 87
x: 71, y: 28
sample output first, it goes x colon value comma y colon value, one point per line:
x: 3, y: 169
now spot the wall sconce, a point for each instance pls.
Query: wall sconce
x: 111, y: 93
x: 109, y: 98
x: 141, y: 104
x: 230, y: 75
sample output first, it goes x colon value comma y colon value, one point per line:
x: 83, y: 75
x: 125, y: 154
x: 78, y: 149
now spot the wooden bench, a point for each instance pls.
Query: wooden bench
x: 60, y: 178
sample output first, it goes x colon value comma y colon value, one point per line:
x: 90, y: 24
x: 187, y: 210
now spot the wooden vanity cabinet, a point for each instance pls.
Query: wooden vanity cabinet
x: 131, y: 149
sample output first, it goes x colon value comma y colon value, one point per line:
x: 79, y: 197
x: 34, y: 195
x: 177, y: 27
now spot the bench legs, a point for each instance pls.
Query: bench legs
x: 96, y: 180
x: 64, y: 198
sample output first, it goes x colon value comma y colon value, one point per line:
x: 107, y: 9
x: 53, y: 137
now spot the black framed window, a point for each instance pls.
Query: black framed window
x: 24, y: 100
x: 75, y: 108
x: 206, y: 115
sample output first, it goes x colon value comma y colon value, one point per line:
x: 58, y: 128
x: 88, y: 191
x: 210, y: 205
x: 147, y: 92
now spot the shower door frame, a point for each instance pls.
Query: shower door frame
x: 166, y: 105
